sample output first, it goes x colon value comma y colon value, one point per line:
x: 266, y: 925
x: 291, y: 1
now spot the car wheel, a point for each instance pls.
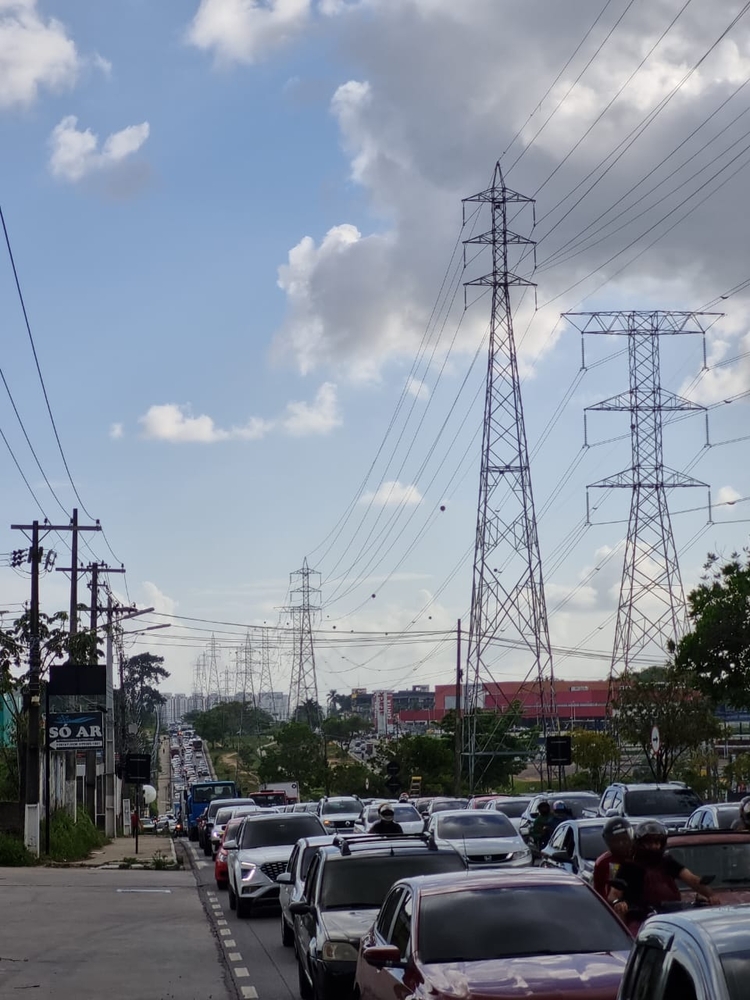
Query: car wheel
x: 193, y: 834
x: 221, y: 885
x: 207, y: 848
x: 287, y: 934
x: 305, y: 990
x: 232, y: 898
x: 243, y: 908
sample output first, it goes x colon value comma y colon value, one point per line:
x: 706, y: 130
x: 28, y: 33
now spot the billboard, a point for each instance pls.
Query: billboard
x: 75, y: 730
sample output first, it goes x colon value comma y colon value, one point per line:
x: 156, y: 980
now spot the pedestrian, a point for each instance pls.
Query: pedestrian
x: 135, y: 822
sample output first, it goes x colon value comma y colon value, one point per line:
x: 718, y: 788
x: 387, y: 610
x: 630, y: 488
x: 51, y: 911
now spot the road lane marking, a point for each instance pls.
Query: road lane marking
x: 221, y: 923
x: 249, y: 992
x: 228, y: 943
x: 224, y: 931
x: 167, y: 891
x: 234, y: 956
x: 241, y: 973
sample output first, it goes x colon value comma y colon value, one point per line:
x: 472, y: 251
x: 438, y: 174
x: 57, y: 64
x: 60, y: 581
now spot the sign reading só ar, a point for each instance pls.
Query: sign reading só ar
x: 75, y: 731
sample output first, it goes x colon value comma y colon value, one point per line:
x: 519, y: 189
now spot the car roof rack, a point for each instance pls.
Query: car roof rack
x: 385, y: 840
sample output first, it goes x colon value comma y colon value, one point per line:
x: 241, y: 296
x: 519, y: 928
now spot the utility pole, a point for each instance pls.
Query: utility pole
x: 651, y: 608
x: 304, y: 681
x: 507, y: 587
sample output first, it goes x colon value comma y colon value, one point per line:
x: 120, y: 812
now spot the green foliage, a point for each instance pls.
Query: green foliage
x: 352, y: 778
x: 737, y: 772
x: 430, y: 757
x: 72, y: 841
x: 342, y: 729
x: 228, y: 721
x: 141, y: 675
x: 504, y: 748
x: 685, y: 718
x: 13, y: 854
x: 310, y: 713
x: 593, y: 754
x: 715, y: 656
x: 295, y: 755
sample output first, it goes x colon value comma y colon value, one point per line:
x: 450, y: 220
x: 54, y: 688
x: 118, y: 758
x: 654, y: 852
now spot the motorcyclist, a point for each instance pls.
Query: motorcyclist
x: 649, y: 877
x: 386, y: 826
x: 561, y: 811
x: 403, y: 797
x: 544, y: 825
x: 743, y: 820
x: 618, y: 836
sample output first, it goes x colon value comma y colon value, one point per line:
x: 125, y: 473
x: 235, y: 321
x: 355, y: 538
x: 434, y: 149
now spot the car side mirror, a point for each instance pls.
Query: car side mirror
x: 300, y: 908
x: 383, y: 957
x: 559, y: 857
x: 612, y: 812
x: 285, y: 878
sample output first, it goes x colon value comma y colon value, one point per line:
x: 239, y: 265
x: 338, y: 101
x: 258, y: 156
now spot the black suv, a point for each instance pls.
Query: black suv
x: 345, y: 885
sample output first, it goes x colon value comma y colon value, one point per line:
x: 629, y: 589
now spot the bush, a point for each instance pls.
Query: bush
x: 72, y: 841
x: 13, y: 854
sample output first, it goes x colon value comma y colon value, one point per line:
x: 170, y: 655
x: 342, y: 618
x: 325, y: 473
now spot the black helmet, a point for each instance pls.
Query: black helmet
x: 745, y: 809
x: 652, y: 828
x: 615, y: 827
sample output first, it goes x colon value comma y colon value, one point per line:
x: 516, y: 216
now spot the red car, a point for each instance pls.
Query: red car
x: 724, y: 854
x: 494, y: 935
x: 221, y: 872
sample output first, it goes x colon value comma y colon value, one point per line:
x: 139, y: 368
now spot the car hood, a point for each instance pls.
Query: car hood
x: 474, y: 846
x: 336, y: 819
x: 262, y: 855
x: 728, y: 895
x: 349, y: 925
x: 545, y: 977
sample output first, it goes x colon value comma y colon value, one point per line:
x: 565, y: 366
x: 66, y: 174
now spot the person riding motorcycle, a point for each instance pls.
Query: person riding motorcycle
x: 560, y: 811
x: 618, y: 836
x: 544, y: 825
x: 743, y: 820
x: 649, y: 877
x: 386, y: 826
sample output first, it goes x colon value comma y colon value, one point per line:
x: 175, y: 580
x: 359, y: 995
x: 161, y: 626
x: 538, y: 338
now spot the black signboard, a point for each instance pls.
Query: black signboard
x: 559, y: 751
x: 88, y: 679
x: 393, y: 785
x: 392, y: 768
x: 75, y: 730
x: 138, y: 768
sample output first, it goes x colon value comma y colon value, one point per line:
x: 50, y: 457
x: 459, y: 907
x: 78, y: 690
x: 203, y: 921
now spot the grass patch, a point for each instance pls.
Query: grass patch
x: 72, y: 841
x: 13, y: 854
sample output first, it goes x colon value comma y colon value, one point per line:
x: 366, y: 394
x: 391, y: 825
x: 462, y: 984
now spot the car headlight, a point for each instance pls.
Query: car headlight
x: 339, y: 951
x: 248, y: 871
x: 327, y: 822
x: 517, y: 855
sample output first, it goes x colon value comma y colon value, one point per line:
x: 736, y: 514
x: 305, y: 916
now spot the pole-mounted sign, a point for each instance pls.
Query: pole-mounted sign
x: 75, y: 731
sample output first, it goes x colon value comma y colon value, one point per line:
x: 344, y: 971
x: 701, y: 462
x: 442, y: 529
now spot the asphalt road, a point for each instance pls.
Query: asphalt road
x: 260, y: 964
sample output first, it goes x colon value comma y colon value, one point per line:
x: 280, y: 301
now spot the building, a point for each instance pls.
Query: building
x: 580, y: 704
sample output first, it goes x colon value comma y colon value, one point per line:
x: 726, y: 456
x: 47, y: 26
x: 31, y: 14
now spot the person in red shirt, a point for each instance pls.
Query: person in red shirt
x: 618, y: 836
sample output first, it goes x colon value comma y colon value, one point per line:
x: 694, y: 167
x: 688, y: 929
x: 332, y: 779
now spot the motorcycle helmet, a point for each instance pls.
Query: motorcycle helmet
x: 559, y: 806
x: 745, y: 810
x: 652, y: 829
x: 616, y: 827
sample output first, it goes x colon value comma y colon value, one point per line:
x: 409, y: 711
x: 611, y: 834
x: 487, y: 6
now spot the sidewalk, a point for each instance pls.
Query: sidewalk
x: 93, y: 933
x: 149, y: 846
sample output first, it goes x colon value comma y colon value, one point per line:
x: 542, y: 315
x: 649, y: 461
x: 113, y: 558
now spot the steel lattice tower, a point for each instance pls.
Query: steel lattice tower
x: 304, y: 682
x: 213, y: 676
x: 265, y: 677
x: 651, y: 608
x: 507, y: 588
x: 199, y: 680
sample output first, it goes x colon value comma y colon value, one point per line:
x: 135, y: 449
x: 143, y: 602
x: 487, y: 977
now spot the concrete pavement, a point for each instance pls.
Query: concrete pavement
x: 84, y: 934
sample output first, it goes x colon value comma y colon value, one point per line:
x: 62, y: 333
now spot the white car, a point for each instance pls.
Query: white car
x: 484, y: 839
x: 512, y: 807
x: 292, y: 881
x: 405, y: 815
x: 339, y: 813
x: 264, y: 846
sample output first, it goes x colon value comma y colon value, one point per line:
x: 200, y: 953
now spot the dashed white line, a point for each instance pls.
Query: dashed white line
x: 221, y: 923
x: 241, y: 973
x: 249, y: 992
x: 228, y: 943
x: 225, y: 931
x: 234, y: 956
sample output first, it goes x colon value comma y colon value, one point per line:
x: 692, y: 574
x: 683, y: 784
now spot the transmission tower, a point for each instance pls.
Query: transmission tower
x: 651, y: 608
x: 245, y: 672
x: 213, y: 677
x: 304, y: 682
x: 266, y: 699
x: 507, y: 588
x: 199, y: 680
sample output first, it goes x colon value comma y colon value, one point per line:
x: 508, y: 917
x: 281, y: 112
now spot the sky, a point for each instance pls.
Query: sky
x: 237, y: 229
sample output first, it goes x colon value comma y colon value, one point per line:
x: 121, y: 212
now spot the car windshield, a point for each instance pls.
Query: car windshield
x: 361, y: 882
x: 475, y: 824
x: 485, y: 924
x: 511, y: 809
x: 591, y: 842
x: 442, y: 805
x: 278, y: 832
x: 334, y: 806
x: 661, y: 802
x: 735, y: 965
x: 402, y: 814
x: 728, y: 863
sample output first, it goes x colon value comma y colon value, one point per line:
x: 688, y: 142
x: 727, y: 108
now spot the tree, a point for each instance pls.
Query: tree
x: 684, y: 717
x: 226, y: 722
x: 715, y: 655
x: 593, y: 755
x: 310, y: 713
x: 295, y: 755
x: 352, y: 778
x: 141, y: 674
x: 504, y: 747
x: 430, y: 757
x: 342, y: 729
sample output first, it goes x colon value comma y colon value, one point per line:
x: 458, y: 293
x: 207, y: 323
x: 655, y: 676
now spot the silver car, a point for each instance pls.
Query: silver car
x: 484, y: 839
x: 221, y: 819
x: 292, y: 881
x: 264, y: 846
x: 339, y: 813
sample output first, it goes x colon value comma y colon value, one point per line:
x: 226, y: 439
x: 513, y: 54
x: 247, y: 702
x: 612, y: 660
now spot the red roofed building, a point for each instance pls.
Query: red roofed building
x: 578, y: 702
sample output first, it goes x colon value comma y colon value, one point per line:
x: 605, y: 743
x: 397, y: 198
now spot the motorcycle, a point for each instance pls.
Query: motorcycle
x: 636, y: 916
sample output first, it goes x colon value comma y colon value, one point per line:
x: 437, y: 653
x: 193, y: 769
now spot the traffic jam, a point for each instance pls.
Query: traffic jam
x: 642, y: 893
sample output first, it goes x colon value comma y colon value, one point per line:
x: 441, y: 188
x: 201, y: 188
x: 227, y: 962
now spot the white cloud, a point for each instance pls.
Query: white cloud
x: 158, y: 600
x: 116, y: 431
x: 391, y: 494
x: 319, y: 417
x: 102, y: 64
x: 174, y: 422
x: 416, y: 387
x: 76, y: 153
x: 727, y: 494
x: 34, y: 53
x: 243, y: 31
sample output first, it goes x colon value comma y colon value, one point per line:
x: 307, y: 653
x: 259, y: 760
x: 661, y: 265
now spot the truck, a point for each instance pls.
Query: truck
x: 197, y: 797
x: 270, y: 793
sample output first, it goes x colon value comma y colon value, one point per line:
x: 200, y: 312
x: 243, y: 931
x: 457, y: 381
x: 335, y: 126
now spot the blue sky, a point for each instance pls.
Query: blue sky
x: 229, y: 286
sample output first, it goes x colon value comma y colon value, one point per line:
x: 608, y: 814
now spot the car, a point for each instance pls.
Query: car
x: 484, y: 839
x: 701, y: 954
x: 442, y: 804
x: 422, y: 805
x: 512, y: 807
x: 713, y: 816
x: 574, y: 846
x: 519, y: 933
x: 221, y: 819
x: 723, y: 854
x: 264, y: 845
x: 671, y: 802
x: 228, y: 843
x: 576, y: 802
x: 292, y: 881
x: 305, y: 807
x: 344, y: 889
x: 204, y: 834
x: 339, y: 812
x: 404, y: 814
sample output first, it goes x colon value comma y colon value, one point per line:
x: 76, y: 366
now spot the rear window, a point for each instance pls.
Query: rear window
x: 726, y: 817
x: 442, y: 805
x: 575, y: 804
x: 728, y: 863
x: 223, y: 816
x: 735, y: 965
x: 474, y: 824
x: 514, y: 810
x: 278, y: 832
x: 402, y: 814
x: 486, y: 924
x: 661, y: 802
x: 361, y: 883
